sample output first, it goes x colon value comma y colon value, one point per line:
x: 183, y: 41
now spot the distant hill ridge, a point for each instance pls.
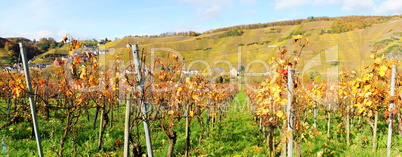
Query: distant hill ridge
x: 342, y: 42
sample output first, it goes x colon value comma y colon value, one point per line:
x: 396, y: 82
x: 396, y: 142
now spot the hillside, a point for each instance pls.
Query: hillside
x: 351, y: 48
x: 335, y: 43
x: 10, y: 50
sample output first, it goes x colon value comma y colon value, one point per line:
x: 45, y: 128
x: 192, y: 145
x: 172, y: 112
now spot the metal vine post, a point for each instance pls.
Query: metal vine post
x: 144, y: 107
x: 391, y: 107
x: 31, y: 100
x: 289, y: 114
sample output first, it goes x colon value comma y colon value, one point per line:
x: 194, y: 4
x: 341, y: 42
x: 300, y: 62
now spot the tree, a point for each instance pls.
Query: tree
x: 53, y: 45
x: 43, y: 40
x: 13, y: 56
x: 104, y: 41
x: 43, y: 47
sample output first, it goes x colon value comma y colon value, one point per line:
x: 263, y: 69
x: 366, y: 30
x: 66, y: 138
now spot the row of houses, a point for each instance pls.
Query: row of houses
x: 19, y: 67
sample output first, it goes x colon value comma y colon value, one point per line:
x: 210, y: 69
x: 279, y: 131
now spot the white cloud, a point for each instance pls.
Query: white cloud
x: 209, y: 9
x: 56, y: 34
x: 249, y: 2
x: 390, y: 6
x: 319, y: 2
x: 356, y: 5
x: 29, y: 35
x: 282, y: 4
x: 44, y: 33
x: 209, y: 2
x: 209, y: 13
x: 346, y: 5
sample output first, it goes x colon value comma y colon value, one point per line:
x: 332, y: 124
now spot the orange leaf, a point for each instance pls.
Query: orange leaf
x: 78, y: 45
x: 159, y: 61
x: 79, y: 83
x: 64, y: 39
x: 62, y: 62
x: 175, y: 56
x: 42, y: 81
x: 89, y: 55
x: 93, y: 80
x: 77, y: 59
x: 74, y: 42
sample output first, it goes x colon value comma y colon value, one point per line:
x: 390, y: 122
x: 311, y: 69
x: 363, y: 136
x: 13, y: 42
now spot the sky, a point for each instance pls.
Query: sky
x: 99, y: 19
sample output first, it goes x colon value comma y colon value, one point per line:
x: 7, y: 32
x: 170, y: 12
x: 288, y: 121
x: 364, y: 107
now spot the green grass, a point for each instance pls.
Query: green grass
x: 235, y: 133
x: 3, y: 53
x: 4, y: 59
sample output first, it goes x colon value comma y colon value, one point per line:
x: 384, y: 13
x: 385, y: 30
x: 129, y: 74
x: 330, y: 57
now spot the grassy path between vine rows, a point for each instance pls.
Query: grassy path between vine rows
x: 235, y: 134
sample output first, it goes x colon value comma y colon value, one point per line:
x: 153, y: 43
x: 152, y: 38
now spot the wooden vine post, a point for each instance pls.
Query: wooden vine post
x: 31, y: 100
x: 187, y: 129
x: 127, y: 127
x: 289, y: 113
x: 391, y: 108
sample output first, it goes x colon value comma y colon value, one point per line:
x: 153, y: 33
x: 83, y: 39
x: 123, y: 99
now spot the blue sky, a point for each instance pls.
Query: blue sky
x: 96, y: 19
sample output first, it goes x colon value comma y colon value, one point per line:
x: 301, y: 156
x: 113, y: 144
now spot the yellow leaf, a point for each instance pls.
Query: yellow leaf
x: 377, y: 61
x: 213, y: 114
x: 68, y: 93
x: 367, y: 87
x: 83, y: 73
x: 361, y: 110
x: 307, y: 41
x: 358, y: 105
x: 367, y: 76
x: 195, y: 97
x: 354, y: 90
x: 262, y: 111
x: 93, y: 80
x: 284, y: 101
x: 188, y: 80
x: 382, y: 70
x: 297, y: 37
x: 279, y: 114
x: 368, y: 94
x: 171, y: 112
x: 191, y: 113
x: 368, y: 103
x: 271, y: 60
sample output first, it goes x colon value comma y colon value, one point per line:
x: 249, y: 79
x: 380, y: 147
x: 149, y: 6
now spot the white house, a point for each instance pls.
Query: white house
x: 233, y: 72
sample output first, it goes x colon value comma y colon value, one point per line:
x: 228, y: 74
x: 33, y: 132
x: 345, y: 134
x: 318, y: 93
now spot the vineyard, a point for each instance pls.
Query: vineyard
x: 86, y: 106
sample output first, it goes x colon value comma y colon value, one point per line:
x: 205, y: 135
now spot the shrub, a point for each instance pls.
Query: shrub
x: 294, y: 32
x: 335, y: 63
x: 231, y: 33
